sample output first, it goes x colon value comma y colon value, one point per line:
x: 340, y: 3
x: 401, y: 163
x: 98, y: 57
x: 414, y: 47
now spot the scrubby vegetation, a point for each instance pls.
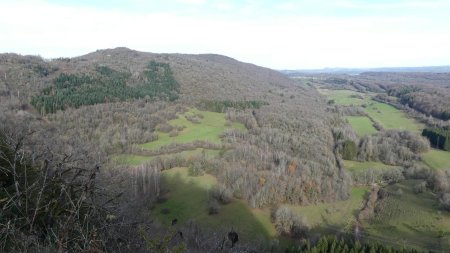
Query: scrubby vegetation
x: 221, y: 106
x: 333, y: 244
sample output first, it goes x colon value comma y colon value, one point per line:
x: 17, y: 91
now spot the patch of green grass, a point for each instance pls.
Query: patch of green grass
x: 392, y: 118
x: 386, y: 115
x: 412, y: 219
x: 362, y: 125
x: 339, y: 214
x: 209, y: 129
x: 345, y: 97
x: 188, y: 200
x: 437, y: 159
x: 357, y: 166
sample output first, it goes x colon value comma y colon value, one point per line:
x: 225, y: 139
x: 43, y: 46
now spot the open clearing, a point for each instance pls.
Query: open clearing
x: 386, y: 115
x: 209, y: 129
x: 187, y: 199
x: 406, y: 218
x: 392, y: 118
x: 437, y: 159
x: 362, y: 125
x: 345, y: 97
x: 336, y: 215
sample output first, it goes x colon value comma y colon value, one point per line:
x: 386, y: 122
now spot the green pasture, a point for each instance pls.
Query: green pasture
x: 335, y: 215
x: 209, y: 129
x: 407, y: 218
x: 187, y: 199
x: 345, y: 97
x: 392, y: 118
x: 362, y: 125
x: 437, y: 159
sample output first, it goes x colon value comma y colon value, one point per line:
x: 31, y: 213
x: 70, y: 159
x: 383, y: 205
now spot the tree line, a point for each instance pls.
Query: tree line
x: 222, y: 106
x: 439, y: 137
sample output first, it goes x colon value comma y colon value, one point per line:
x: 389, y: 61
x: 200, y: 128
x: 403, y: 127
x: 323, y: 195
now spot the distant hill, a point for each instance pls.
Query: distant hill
x: 289, y: 123
x: 200, y: 76
x: 355, y: 71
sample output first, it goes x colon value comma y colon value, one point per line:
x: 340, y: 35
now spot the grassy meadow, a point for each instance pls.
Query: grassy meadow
x: 209, y: 129
x: 412, y: 219
x: 392, y: 118
x: 187, y: 199
x: 386, y: 115
x: 362, y: 125
x: 437, y: 159
x: 336, y: 215
x: 345, y: 97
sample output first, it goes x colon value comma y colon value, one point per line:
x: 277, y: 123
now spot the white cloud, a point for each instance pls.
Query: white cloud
x: 37, y: 27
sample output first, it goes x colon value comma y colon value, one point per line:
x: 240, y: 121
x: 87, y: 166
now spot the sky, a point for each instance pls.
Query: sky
x: 276, y: 34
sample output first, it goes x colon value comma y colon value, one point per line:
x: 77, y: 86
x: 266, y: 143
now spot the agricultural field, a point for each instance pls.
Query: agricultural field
x: 209, y: 128
x: 437, y: 159
x: 386, y: 115
x: 407, y: 218
x: 345, y: 97
x: 362, y: 125
x: 187, y: 199
x: 392, y: 118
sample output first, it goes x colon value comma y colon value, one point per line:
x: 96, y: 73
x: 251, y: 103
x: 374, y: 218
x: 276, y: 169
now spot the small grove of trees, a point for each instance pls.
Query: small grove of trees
x: 349, y: 150
x: 289, y: 223
x: 332, y: 244
x: 439, y: 137
x: 392, y: 147
x: 219, y: 195
x: 106, y: 85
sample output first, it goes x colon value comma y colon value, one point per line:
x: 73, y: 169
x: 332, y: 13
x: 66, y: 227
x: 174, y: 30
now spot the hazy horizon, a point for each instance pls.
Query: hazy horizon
x: 274, y: 34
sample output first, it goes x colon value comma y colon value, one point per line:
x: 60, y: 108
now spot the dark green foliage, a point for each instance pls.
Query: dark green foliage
x: 327, y: 244
x: 41, y: 70
x: 75, y: 90
x: 350, y: 150
x: 221, y: 106
x: 439, y: 137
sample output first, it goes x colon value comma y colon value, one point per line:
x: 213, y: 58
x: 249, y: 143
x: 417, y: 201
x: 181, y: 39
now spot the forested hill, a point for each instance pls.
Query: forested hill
x: 120, y: 74
x: 276, y: 144
x: 200, y: 76
x: 292, y: 128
